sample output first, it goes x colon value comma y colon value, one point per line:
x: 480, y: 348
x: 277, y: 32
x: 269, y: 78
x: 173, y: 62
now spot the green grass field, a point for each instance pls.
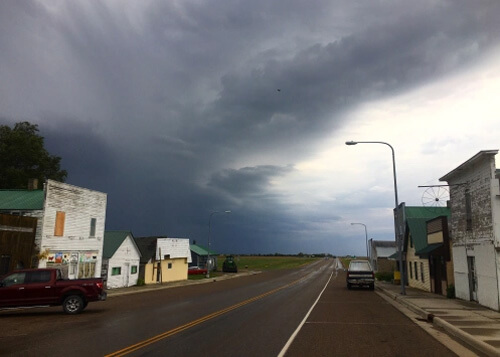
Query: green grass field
x: 259, y: 263
x: 267, y: 263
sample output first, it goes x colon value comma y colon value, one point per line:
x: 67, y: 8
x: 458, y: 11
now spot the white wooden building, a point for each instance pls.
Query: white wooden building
x: 475, y: 229
x: 121, y: 258
x: 70, y: 227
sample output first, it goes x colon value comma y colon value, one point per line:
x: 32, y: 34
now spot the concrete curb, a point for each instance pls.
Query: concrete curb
x: 449, y: 328
x: 465, y: 337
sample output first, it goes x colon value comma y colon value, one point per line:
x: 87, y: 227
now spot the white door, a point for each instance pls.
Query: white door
x: 126, y: 274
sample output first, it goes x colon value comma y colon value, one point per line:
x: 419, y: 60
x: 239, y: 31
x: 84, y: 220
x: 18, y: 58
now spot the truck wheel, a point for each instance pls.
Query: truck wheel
x: 73, y: 304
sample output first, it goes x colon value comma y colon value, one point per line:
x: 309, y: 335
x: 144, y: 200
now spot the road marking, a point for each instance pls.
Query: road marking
x: 211, y: 316
x: 351, y: 323
x: 296, y: 332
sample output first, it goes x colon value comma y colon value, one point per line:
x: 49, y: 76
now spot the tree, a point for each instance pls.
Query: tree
x: 23, y: 157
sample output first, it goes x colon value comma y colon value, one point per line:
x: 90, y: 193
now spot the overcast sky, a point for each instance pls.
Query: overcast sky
x: 177, y: 109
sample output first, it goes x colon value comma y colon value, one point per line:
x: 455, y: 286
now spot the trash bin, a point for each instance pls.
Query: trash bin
x: 397, y: 277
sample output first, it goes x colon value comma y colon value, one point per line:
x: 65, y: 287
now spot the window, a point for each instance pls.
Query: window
x: 92, y: 226
x: 422, y: 272
x: 468, y: 211
x: 416, y: 271
x: 59, y: 226
x: 40, y: 276
x: 4, y: 264
x: 410, y: 269
x: 13, y: 279
x: 133, y: 269
x: 116, y: 271
x: 170, y: 265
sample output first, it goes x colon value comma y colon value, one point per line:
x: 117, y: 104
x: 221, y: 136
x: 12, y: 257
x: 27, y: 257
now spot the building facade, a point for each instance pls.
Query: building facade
x: 163, y: 259
x: 380, y: 251
x: 121, y: 258
x: 475, y: 228
x: 70, y: 227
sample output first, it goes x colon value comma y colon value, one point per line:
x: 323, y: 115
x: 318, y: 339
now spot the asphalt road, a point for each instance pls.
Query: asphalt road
x: 249, y: 316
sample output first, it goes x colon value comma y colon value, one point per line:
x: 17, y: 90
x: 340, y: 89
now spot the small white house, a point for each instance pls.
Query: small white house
x: 121, y: 258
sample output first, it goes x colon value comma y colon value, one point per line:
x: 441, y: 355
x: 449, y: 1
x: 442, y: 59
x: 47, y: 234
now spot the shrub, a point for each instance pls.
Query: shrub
x: 450, y: 291
x: 140, y: 282
x: 384, y: 276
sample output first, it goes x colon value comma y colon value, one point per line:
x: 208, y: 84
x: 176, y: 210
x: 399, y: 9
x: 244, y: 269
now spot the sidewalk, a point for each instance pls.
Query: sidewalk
x: 470, y: 322
x: 145, y: 288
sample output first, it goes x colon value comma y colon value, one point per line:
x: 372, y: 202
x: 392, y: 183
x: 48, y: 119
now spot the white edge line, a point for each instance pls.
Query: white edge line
x: 296, y: 332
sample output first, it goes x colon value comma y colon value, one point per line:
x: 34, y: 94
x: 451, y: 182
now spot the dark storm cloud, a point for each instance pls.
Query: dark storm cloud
x: 248, y: 180
x: 179, y: 109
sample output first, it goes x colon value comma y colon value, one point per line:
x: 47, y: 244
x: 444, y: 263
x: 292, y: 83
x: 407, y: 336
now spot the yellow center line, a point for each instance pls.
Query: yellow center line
x: 184, y: 327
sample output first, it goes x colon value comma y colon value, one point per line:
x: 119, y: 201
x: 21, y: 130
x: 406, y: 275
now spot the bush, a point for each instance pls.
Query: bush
x: 450, y: 291
x: 140, y: 282
x: 384, y: 276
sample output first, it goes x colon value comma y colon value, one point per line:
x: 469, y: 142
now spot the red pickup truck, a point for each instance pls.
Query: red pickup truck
x: 38, y: 287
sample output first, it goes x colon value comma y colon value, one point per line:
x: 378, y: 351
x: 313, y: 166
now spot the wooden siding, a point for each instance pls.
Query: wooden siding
x: 413, y: 280
x: 17, y: 242
x: 75, y: 251
x: 178, y: 271
x: 126, y: 256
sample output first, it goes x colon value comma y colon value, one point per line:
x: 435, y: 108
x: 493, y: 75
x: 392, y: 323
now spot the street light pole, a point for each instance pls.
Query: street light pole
x: 398, y: 239
x: 208, y: 248
x: 366, y: 238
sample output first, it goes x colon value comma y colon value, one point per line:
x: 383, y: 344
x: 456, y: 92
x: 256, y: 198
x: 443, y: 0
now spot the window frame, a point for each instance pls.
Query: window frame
x: 93, y: 224
x: 59, y: 223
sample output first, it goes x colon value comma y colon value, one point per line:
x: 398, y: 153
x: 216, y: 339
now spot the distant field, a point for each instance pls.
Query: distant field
x: 267, y: 263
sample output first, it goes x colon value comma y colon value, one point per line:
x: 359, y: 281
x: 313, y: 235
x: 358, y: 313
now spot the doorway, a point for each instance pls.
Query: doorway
x: 471, y: 264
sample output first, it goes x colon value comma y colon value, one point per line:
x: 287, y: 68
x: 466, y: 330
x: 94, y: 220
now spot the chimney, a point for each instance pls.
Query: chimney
x: 194, y: 241
x: 32, y: 184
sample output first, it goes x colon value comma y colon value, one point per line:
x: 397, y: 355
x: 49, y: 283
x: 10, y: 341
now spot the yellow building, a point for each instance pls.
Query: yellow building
x: 427, y: 250
x: 163, y: 259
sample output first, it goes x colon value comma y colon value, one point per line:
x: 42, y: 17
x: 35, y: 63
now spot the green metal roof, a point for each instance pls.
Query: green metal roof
x: 21, y: 199
x: 416, y: 219
x: 200, y: 250
x: 426, y: 212
x: 418, y: 232
x: 113, y: 240
x: 430, y: 248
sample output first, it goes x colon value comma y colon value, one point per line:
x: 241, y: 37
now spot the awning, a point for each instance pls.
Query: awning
x: 424, y: 253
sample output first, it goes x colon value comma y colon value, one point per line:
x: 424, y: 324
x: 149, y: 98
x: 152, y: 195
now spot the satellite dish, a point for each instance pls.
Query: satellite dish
x: 435, y: 197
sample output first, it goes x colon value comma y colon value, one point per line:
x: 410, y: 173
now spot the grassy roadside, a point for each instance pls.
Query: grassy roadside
x: 268, y: 263
x: 259, y: 263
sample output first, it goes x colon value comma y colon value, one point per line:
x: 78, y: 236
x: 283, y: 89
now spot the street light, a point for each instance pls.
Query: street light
x: 208, y: 249
x: 366, y: 238
x: 398, y: 239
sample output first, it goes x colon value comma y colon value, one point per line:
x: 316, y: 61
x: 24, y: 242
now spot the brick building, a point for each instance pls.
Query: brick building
x: 475, y: 228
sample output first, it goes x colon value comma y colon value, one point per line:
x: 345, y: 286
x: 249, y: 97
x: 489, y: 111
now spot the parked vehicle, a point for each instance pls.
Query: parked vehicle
x: 40, y: 287
x: 229, y: 265
x: 196, y: 270
x: 360, y: 273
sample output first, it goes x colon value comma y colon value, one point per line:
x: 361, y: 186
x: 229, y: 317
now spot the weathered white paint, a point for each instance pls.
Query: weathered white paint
x: 461, y: 272
x: 80, y: 206
x: 487, y: 291
x: 173, y: 248
x: 125, y: 257
x: 477, y: 175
